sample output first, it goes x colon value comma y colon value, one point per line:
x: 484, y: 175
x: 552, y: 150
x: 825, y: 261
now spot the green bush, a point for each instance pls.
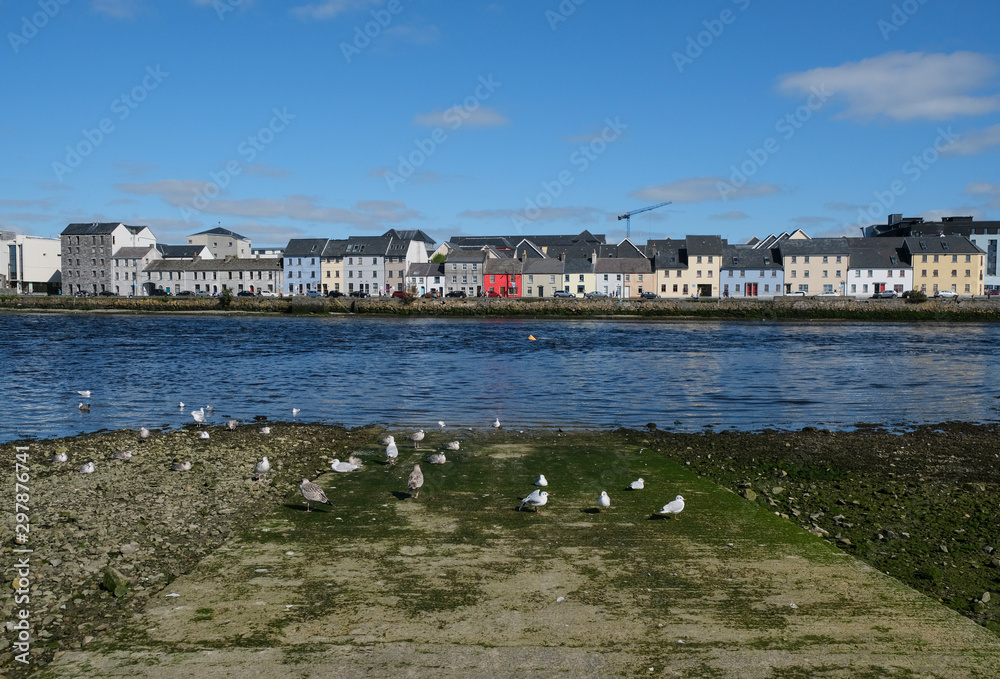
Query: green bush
x: 916, y: 297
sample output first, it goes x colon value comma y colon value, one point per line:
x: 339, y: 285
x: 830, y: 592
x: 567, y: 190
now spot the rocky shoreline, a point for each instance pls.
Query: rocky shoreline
x: 781, y: 308
x: 921, y: 506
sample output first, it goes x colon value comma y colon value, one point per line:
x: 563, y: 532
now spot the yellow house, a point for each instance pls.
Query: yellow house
x: 946, y: 263
x: 331, y: 266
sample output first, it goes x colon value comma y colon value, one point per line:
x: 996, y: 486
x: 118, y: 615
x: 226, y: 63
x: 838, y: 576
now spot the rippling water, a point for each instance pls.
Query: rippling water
x: 414, y: 372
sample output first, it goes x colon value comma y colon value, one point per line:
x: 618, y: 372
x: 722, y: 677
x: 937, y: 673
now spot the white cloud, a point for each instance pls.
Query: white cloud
x: 726, y: 216
x: 974, y: 142
x: 331, y: 9
x: 117, y: 9
x: 703, y: 189
x: 982, y: 188
x: 459, y: 116
x: 905, y: 85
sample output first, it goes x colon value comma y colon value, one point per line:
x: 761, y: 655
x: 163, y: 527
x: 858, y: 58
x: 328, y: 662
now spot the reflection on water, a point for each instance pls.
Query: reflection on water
x: 408, y: 372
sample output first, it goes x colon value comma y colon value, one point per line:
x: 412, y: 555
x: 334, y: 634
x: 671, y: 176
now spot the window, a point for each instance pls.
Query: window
x: 794, y: 259
x: 805, y: 274
x: 870, y: 273
x: 934, y: 274
x: 581, y: 278
x: 699, y: 259
x: 954, y: 273
x: 889, y: 273
x: 936, y: 259
x: 923, y: 258
x: 794, y: 272
x: 954, y: 258
x: 826, y: 260
x: 968, y: 258
x: 300, y: 261
x: 826, y: 274
x: 968, y: 273
x: 805, y: 259
x: 923, y: 273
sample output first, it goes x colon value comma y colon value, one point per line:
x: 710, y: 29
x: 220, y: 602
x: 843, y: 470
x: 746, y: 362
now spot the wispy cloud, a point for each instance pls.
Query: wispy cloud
x: 578, y: 213
x: 974, y: 142
x: 484, y: 116
x: 905, y: 86
x: 703, y: 189
x: 265, y: 170
x: 331, y: 9
x: 843, y: 207
x: 134, y: 169
x: 982, y: 189
x: 117, y: 9
x: 726, y: 216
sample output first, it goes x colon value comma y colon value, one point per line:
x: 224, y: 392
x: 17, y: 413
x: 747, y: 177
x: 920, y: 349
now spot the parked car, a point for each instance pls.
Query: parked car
x: 185, y: 293
x: 359, y: 293
x: 491, y: 293
x: 106, y: 293
x: 267, y: 293
x: 796, y: 293
x: 884, y: 294
x: 595, y: 295
x: 946, y: 294
x: 81, y: 293
x: 202, y: 293
x: 649, y: 295
x: 245, y: 293
x: 828, y: 294
x: 562, y: 293
x: 456, y: 293
x: 430, y: 295
x: 335, y: 293
x: 992, y: 293
x: 400, y: 294
x: 158, y: 292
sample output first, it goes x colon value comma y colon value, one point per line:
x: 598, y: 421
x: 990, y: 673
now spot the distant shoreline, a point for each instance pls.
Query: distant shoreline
x: 777, y: 309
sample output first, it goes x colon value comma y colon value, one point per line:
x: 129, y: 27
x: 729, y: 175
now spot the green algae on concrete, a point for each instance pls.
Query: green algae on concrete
x: 460, y: 583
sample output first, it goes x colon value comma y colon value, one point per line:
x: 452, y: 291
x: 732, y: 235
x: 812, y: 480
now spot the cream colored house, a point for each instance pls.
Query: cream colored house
x: 946, y: 263
x: 816, y: 265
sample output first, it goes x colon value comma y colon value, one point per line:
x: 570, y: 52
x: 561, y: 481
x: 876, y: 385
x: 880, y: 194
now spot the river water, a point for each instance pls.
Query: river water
x: 413, y: 372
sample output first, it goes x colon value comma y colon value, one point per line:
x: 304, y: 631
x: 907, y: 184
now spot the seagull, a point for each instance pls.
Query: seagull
x: 536, y: 499
x: 198, y: 415
x: 296, y: 411
x: 312, y: 493
x: 203, y: 436
x: 496, y: 423
x: 232, y: 425
x: 417, y: 437
x: 415, y: 481
x: 452, y: 445
x: 181, y: 466
x: 84, y: 394
x: 87, y: 468
x: 83, y: 408
x: 674, y: 507
x: 265, y: 430
x: 385, y: 440
x: 339, y: 466
x: 356, y: 461
x: 123, y: 455
x: 143, y: 433
x: 437, y: 458
x: 262, y: 467
x: 604, y: 501
x: 637, y: 485
x: 59, y: 457
x: 391, y: 451
x: 181, y: 405
x: 210, y: 408
x: 541, y: 480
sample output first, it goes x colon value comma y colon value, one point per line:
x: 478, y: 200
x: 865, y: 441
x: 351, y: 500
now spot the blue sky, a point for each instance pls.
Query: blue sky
x: 349, y: 117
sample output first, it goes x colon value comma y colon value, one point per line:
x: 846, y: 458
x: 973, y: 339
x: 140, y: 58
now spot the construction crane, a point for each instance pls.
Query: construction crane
x: 628, y: 216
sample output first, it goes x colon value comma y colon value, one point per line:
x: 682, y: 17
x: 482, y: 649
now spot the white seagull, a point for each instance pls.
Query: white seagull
x: 262, y: 467
x: 198, y: 415
x: 312, y: 493
x: 415, y: 481
x: 232, y: 425
x: 265, y: 430
x: 87, y: 468
x: 637, y: 485
x: 181, y: 466
x: 339, y: 466
x: 84, y: 408
x: 143, y: 433
x: 437, y: 458
x: 59, y: 457
x: 417, y: 437
x: 541, y: 480
x: 391, y: 451
x: 296, y: 411
x: 604, y: 501
x: 441, y: 424
x: 210, y: 408
x: 181, y: 405
x: 203, y: 436
x: 123, y: 455
x: 356, y: 461
x: 384, y: 441
x: 536, y: 499
x: 675, y: 507
x: 452, y: 445
x: 496, y: 423
x: 85, y: 393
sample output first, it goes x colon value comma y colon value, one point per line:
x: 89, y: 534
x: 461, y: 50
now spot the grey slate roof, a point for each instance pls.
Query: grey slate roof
x: 667, y: 254
x: 815, y: 247
x: 335, y: 248
x: 219, y: 231
x: 133, y: 253
x: 232, y: 264
x: 540, y: 266
x: 180, y: 251
x: 941, y: 245
x: 502, y: 266
x: 305, y: 247
x: 97, y: 229
x: 426, y: 269
x: 878, y: 253
x: 705, y: 245
x: 623, y: 265
x: 747, y: 257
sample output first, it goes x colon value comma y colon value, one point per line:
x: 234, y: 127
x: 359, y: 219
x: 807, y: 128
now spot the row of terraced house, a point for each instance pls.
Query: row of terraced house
x: 955, y: 254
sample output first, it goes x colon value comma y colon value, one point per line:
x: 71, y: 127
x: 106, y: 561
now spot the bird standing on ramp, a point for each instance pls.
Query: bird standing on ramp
x: 675, y: 507
x: 604, y: 501
x: 638, y: 484
x: 391, y: 451
x: 417, y: 437
x: 143, y: 433
x: 496, y: 423
x: 262, y: 468
x: 198, y: 415
x: 536, y: 499
x: 415, y: 481
x: 312, y: 493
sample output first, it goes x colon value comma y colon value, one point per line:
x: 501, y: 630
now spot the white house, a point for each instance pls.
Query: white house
x: 303, y: 265
x: 876, y: 265
x: 87, y: 251
x: 369, y: 260
x: 30, y: 264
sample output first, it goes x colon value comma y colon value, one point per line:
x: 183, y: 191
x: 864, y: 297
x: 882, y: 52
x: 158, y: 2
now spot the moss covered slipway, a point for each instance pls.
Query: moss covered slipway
x: 459, y: 583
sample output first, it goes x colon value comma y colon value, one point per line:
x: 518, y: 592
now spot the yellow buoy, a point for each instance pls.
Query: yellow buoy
x: 531, y: 337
